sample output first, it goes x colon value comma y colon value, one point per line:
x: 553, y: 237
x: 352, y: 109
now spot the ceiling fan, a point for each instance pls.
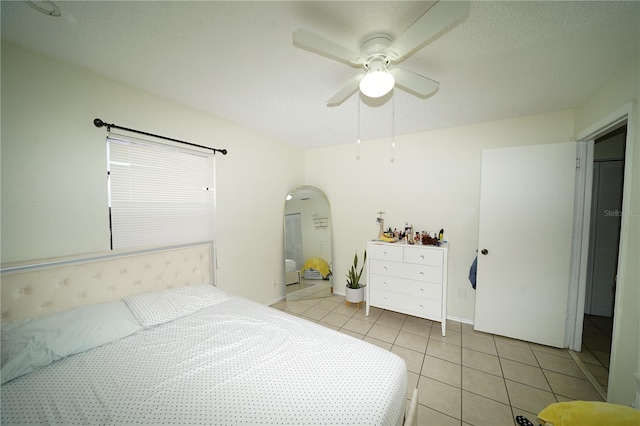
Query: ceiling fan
x: 380, y: 50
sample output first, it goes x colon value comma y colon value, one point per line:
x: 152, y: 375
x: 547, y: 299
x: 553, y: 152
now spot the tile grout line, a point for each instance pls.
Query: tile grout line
x: 553, y: 392
x: 504, y: 379
x: 589, y: 374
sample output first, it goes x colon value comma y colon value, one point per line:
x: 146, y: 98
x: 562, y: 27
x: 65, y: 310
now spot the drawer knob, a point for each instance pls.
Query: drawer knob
x: 422, y: 256
x: 421, y: 290
x: 420, y: 306
x: 384, y: 253
x: 421, y: 274
x: 384, y: 283
x: 384, y: 269
x: 385, y: 299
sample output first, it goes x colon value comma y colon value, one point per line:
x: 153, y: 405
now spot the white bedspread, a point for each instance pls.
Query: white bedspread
x: 234, y: 363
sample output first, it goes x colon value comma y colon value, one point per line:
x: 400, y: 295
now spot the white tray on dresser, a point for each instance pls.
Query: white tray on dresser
x: 411, y: 279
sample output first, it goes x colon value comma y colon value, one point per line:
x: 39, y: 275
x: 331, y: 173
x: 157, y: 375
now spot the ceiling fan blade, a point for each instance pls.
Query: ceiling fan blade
x: 318, y: 44
x: 415, y: 83
x: 345, y: 93
x: 440, y: 17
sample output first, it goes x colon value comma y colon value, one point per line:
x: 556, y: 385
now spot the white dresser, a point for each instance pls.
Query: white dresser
x: 411, y: 279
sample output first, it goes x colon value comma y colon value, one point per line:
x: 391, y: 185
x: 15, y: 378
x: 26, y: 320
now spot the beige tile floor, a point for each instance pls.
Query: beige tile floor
x: 465, y: 378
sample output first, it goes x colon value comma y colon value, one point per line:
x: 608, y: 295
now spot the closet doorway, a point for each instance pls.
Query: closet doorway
x: 604, y: 242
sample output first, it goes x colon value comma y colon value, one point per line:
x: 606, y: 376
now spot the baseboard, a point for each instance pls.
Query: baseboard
x: 278, y: 299
x: 462, y: 320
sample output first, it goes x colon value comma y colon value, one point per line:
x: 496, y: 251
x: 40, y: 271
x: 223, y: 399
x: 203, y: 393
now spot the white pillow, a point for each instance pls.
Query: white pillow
x: 158, y: 307
x: 36, y: 342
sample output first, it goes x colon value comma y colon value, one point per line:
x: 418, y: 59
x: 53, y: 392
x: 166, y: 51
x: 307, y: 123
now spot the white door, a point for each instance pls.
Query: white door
x: 524, y: 243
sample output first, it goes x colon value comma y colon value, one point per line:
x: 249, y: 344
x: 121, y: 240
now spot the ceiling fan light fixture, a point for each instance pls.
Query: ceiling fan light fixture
x: 377, y: 83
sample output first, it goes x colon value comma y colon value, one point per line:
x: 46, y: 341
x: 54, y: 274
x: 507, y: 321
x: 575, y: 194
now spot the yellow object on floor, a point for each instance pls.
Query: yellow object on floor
x: 319, y: 264
x: 592, y: 413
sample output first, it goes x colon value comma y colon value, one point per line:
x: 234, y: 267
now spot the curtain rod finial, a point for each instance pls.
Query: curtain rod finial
x: 98, y: 123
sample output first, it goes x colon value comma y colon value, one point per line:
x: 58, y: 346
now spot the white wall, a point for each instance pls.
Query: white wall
x: 54, y: 200
x: 621, y: 89
x: 433, y: 183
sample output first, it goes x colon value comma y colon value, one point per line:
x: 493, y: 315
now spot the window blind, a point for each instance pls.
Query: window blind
x: 159, y: 194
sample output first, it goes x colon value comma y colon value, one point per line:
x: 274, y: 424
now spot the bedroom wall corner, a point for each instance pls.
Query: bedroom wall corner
x: 53, y: 183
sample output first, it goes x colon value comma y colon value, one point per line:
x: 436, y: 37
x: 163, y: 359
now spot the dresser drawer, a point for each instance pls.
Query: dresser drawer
x: 423, y: 308
x: 409, y: 271
x: 385, y: 252
x: 409, y: 287
x: 423, y: 255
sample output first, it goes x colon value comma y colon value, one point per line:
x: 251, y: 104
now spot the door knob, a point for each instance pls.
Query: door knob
x: 484, y: 251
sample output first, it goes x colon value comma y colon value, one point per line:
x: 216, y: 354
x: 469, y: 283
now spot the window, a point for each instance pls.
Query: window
x: 159, y: 194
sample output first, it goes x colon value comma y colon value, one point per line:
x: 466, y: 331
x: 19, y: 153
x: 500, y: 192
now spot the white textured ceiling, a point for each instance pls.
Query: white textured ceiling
x: 236, y: 60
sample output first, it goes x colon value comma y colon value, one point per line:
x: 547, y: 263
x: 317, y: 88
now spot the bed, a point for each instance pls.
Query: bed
x: 146, y: 339
x: 291, y: 273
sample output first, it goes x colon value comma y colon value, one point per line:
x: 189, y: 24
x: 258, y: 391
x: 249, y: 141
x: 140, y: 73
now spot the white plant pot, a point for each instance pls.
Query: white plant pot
x: 354, y: 295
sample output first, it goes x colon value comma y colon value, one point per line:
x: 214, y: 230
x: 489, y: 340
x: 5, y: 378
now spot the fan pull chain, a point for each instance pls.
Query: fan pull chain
x: 393, y: 127
x: 358, y: 141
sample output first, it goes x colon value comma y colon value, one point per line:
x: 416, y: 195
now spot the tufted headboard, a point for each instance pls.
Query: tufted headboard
x: 57, y: 285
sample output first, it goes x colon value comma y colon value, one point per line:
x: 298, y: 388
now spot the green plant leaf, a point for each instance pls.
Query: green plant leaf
x: 353, y: 276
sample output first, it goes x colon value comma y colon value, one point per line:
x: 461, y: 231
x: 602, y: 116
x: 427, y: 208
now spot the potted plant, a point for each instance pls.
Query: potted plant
x: 354, y: 291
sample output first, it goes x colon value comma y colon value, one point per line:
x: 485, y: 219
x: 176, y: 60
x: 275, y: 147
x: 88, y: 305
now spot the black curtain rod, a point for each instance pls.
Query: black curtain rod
x: 99, y: 123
